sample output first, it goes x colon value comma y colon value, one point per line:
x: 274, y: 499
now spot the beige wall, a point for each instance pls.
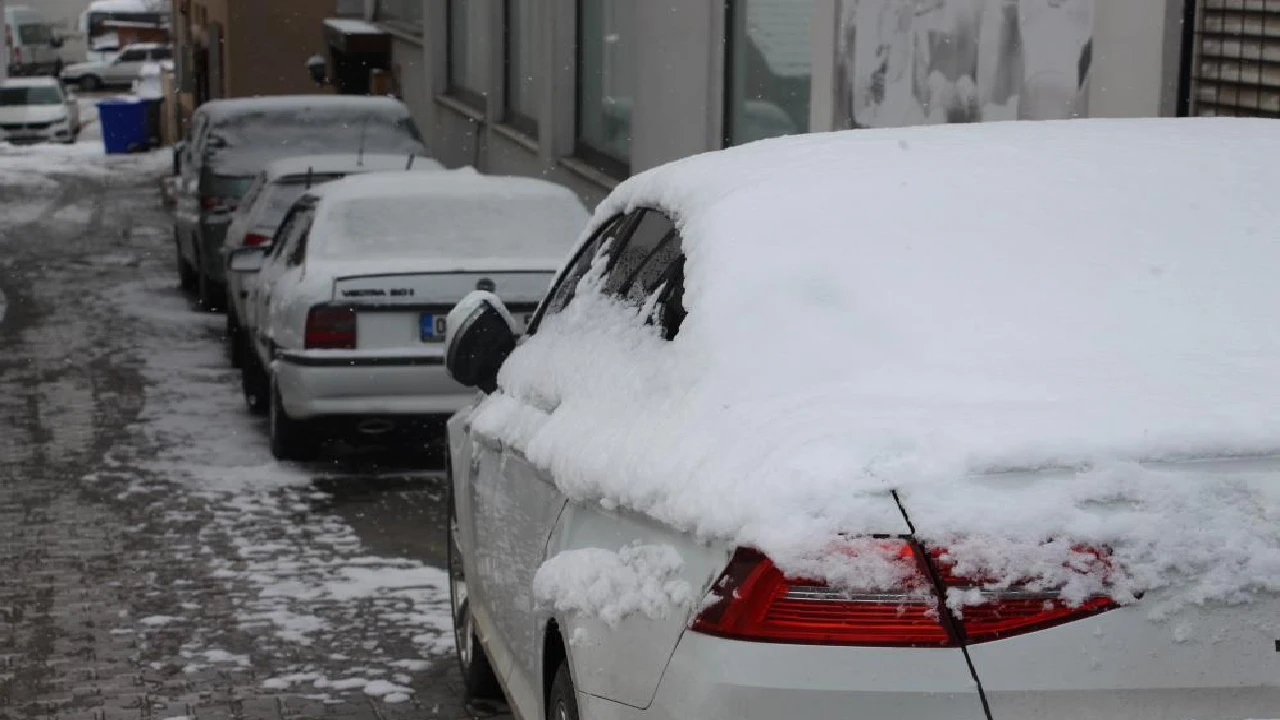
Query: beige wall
x: 266, y: 44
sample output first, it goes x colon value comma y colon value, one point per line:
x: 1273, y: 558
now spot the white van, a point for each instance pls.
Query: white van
x: 32, y: 45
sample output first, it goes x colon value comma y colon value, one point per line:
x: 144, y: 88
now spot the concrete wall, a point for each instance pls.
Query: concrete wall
x: 677, y: 108
x: 1136, y: 55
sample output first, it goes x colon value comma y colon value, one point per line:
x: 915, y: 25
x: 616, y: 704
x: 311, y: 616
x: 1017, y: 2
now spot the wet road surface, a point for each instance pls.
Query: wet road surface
x: 155, y: 562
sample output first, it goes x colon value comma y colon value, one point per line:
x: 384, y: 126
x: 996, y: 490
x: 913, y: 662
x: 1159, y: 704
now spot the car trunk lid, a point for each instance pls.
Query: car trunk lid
x: 408, y: 310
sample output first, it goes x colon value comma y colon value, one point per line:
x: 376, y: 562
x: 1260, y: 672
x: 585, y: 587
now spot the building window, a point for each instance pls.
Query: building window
x: 768, y: 64
x: 520, y: 56
x: 401, y: 14
x: 467, y: 68
x: 606, y: 82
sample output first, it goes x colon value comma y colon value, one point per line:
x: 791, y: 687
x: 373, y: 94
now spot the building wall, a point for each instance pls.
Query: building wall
x: 269, y: 43
x: 1081, y: 58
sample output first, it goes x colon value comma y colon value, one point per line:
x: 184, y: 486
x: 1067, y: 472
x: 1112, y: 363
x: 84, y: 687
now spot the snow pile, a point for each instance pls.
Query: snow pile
x: 611, y: 586
x: 912, y: 310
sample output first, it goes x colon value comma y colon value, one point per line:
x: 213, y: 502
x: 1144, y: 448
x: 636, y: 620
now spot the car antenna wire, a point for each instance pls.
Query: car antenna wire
x: 308, y: 187
x: 409, y: 165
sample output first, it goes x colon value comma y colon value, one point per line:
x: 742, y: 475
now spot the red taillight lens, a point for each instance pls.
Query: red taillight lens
x: 754, y: 601
x: 255, y: 240
x: 213, y: 202
x: 331, y: 328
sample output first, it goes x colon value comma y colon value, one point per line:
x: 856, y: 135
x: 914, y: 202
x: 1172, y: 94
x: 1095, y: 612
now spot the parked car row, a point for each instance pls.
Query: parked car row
x: 739, y: 452
x: 338, y: 248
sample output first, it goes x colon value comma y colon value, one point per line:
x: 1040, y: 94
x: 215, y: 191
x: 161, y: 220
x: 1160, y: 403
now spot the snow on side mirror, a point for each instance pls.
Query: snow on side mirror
x: 246, y: 260
x: 481, y: 334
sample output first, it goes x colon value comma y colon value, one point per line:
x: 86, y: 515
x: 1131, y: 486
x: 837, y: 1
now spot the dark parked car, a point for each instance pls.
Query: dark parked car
x: 230, y: 141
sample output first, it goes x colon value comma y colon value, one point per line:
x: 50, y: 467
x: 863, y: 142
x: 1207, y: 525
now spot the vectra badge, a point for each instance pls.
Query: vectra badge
x: 487, y: 285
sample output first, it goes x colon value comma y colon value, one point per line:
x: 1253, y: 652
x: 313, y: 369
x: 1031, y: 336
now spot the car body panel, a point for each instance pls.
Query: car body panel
x: 1198, y: 662
x: 716, y: 679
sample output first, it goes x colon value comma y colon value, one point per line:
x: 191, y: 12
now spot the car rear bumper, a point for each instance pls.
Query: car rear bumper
x: 327, y: 383
x: 711, y: 678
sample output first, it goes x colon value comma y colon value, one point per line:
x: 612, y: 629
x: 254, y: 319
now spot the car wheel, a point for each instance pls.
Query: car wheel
x: 186, y: 274
x: 90, y: 83
x: 212, y: 294
x: 253, y: 382
x: 478, y: 678
x: 562, y: 701
x: 289, y: 437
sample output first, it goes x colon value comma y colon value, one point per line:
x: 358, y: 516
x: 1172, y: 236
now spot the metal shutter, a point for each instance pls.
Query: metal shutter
x: 1236, y: 66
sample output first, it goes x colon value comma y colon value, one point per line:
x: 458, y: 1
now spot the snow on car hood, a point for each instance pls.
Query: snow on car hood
x: 902, y: 311
x: 32, y: 113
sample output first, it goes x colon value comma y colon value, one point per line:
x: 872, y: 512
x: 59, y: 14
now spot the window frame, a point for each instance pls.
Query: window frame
x: 585, y: 151
x: 510, y: 114
x: 395, y: 21
x: 622, y: 226
x: 731, y: 41
x: 468, y: 96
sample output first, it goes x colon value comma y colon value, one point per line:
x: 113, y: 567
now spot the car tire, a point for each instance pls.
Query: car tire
x: 235, y: 339
x: 289, y: 438
x: 212, y: 294
x: 478, y: 679
x: 254, y: 383
x: 187, y: 279
x: 562, y: 701
x: 89, y: 83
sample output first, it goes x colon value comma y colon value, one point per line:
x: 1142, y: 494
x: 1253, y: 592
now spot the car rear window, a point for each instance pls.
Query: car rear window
x: 456, y: 227
x: 247, y: 142
x: 227, y: 186
x: 281, y: 196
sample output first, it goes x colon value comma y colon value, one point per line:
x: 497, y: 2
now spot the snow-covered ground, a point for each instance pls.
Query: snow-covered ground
x: 260, y: 572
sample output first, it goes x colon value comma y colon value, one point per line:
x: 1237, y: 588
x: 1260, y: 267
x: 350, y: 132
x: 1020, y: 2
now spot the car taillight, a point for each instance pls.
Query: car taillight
x: 331, y: 328
x: 754, y: 601
x: 255, y: 240
x: 213, y: 202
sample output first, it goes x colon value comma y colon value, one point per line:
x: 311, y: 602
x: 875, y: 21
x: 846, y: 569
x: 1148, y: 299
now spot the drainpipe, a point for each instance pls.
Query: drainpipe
x: 4, y: 46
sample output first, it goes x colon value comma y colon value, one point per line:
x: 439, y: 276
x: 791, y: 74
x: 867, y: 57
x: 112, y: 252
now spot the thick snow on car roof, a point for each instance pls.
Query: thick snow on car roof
x: 224, y: 108
x: 458, y: 216
x: 347, y: 162
x: 901, y: 310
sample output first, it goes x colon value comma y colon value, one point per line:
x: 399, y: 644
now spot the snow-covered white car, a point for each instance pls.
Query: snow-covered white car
x: 37, y: 110
x: 970, y: 422
x: 350, y: 305
x: 118, y: 71
x: 275, y: 189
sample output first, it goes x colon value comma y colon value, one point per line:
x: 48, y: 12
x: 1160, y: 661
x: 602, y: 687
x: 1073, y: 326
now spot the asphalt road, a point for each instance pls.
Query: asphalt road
x: 155, y: 562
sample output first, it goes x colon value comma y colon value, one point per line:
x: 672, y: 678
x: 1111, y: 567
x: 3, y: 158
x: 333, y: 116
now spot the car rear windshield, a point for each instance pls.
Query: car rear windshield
x: 455, y: 227
x: 247, y: 142
x: 282, y: 195
x: 226, y: 186
x: 40, y: 95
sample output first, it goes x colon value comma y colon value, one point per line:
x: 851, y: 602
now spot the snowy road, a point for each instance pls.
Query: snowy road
x: 154, y: 561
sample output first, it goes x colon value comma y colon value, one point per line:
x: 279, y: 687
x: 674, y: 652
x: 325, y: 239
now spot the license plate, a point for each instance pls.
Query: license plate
x: 432, y: 327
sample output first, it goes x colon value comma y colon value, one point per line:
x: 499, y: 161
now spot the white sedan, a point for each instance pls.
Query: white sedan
x: 350, y: 304
x: 37, y: 110
x: 275, y: 189
x: 974, y: 422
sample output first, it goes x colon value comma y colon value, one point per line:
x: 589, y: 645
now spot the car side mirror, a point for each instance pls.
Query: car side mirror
x: 480, y: 335
x: 55, y: 42
x: 247, y: 260
x: 179, y: 148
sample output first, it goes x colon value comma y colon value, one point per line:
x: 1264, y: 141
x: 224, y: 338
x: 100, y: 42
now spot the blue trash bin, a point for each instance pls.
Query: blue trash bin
x: 124, y: 125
